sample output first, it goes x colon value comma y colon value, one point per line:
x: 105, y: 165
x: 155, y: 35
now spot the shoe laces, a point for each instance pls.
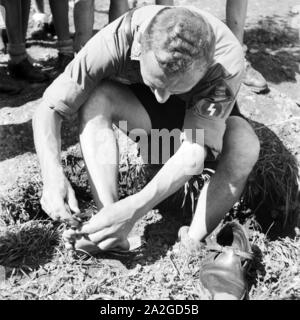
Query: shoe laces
x: 225, y: 249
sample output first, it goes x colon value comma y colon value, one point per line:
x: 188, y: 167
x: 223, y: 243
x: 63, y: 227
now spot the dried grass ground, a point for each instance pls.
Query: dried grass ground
x: 37, y: 266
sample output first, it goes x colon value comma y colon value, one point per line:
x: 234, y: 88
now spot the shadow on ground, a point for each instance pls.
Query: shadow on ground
x: 273, y: 191
x: 17, y: 139
x: 274, y: 49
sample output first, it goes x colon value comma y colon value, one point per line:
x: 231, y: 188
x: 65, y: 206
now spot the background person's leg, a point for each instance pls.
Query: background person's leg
x: 40, y: 20
x: 14, y: 23
x: 17, y: 12
x: 227, y: 184
x: 236, y: 12
x: 83, y: 21
x: 165, y: 2
x: 60, y: 13
x: 110, y: 102
x: 117, y: 8
x: 6, y: 84
x: 25, y: 7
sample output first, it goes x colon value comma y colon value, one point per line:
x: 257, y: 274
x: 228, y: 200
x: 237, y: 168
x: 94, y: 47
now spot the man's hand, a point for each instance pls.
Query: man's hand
x: 59, y: 201
x: 108, y: 229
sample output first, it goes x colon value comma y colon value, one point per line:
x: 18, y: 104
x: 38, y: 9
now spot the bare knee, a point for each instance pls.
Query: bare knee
x: 241, y: 146
x: 98, y: 107
x: 193, y: 156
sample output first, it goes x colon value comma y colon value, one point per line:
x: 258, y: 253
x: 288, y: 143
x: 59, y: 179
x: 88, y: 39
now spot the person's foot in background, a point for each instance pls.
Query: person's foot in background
x: 19, y: 67
x: 254, y: 79
x: 24, y: 70
x: 60, y: 14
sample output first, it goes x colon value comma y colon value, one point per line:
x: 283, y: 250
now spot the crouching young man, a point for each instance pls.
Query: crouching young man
x: 155, y: 68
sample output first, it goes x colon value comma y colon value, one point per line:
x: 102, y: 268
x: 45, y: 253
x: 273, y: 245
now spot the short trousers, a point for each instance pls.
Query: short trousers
x: 169, y: 115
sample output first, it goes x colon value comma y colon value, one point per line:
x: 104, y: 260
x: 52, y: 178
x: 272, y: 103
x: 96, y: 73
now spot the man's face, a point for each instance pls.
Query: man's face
x: 162, y: 86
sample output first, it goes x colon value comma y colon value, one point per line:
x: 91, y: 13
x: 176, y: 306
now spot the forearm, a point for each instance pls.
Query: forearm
x: 187, y: 161
x: 47, y: 139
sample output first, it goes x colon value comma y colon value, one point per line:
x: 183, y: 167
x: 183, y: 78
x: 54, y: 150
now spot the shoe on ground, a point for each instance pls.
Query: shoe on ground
x: 223, y: 272
x: 24, y: 70
x: 254, y: 79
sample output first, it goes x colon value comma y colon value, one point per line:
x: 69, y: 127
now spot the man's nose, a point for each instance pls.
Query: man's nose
x: 161, y: 95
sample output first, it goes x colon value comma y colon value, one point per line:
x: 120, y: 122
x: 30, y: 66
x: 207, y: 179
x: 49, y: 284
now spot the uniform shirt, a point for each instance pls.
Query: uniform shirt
x: 111, y: 54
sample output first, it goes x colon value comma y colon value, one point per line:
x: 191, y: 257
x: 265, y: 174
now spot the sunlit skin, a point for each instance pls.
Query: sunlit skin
x: 111, y: 226
x: 161, y: 85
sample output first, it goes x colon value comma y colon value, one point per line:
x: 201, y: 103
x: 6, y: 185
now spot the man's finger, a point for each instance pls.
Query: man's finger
x: 95, y: 224
x: 60, y: 211
x: 72, y: 201
x: 72, y: 221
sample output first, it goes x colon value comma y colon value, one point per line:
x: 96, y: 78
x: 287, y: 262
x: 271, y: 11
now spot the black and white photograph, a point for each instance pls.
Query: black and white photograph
x: 149, y: 153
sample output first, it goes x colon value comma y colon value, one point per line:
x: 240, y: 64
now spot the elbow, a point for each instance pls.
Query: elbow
x: 43, y: 114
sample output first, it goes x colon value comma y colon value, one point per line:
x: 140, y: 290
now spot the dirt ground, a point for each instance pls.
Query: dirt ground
x: 161, y: 270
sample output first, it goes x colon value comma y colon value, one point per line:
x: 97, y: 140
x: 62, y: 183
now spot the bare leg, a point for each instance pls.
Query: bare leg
x: 236, y: 12
x: 17, y: 13
x: 110, y: 102
x: 117, y: 8
x: 84, y: 22
x: 60, y: 11
x: 227, y: 184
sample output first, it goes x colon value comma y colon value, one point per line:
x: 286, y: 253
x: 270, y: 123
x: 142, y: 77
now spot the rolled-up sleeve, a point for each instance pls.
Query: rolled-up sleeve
x: 211, y: 107
x: 96, y: 61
